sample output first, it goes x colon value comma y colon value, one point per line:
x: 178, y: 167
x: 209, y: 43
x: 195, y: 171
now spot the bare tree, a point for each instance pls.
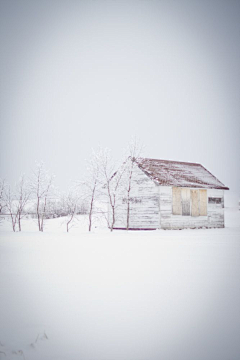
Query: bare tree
x: 22, y: 195
x: 112, y: 181
x: 2, y: 197
x: 42, y: 190
x: 133, y: 152
x: 15, y: 201
x: 92, y: 185
x: 10, y: 206
x: 70, y: 203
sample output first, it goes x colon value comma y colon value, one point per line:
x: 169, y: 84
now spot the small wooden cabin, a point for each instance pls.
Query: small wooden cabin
x: 171, y: 195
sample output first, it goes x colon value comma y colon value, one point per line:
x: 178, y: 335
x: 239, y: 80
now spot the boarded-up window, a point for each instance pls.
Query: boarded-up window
x: 176, y: 201
x: 213, y: 200
x: 188, y: 202
x: 133, y: 200
x: 195, y: 202
x: 185, y: 201
x: 203, y: 202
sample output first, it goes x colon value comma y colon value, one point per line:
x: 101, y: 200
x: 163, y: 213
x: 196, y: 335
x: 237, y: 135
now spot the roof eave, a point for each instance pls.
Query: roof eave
x: 194, y: 186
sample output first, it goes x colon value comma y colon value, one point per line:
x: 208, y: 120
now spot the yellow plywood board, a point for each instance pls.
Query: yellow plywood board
x: 176, y: 201
x: 195, y: 202
x: 185, y: 201
x: 203, y: 202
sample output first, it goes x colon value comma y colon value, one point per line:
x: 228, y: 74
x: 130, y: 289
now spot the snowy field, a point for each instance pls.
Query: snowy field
x: 154, y: 295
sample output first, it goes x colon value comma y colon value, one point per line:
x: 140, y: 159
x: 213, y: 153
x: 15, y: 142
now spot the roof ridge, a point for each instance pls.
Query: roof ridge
x: 173, y: 161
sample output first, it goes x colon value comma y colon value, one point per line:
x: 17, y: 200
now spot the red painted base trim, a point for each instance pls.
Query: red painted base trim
x: 133, y: 229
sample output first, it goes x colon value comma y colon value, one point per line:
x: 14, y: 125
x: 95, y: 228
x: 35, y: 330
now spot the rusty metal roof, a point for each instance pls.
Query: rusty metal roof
x: 179, y: 174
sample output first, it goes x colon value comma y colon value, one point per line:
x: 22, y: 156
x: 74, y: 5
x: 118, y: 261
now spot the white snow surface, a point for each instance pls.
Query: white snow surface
x: 164, y: 295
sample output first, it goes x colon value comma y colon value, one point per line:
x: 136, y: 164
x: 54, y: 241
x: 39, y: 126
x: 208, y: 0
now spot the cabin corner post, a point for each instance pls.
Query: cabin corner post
x: 159, y: 206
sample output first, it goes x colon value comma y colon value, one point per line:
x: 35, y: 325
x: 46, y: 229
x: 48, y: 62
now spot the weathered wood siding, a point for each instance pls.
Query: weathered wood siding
x: 216, y: 211
x: 213, y: 219
x: 144, y: 206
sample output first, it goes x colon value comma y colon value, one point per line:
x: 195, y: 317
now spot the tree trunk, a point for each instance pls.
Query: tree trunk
x: 68, y: 223
x: 43, y: 214
x: 19, y: 223
x: 38, y: 215
x: 128, y: 195
x: 113, y: 218
x: 127, y: 216
x: 41, y: 223
x: 90, y: 222
x: 91, y: 207
x: 13, y: 222
x: 128, y: 209
x: 90, y: 218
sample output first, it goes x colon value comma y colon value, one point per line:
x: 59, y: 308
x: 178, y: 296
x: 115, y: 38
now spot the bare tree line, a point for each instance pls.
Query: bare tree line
x: 103, y: 184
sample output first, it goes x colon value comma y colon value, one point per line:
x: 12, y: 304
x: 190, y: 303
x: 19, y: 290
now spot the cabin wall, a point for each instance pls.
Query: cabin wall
x: 214, y: 218
x: 216, y: 211
x: 144, y: 205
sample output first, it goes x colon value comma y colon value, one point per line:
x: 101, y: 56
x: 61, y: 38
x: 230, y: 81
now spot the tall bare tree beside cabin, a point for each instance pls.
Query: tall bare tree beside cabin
x: 42, y: 189
x: 112, y: 181
x: 134, y: 151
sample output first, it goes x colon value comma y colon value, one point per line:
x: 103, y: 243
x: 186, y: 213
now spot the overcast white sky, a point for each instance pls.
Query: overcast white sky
x: 78, y: 74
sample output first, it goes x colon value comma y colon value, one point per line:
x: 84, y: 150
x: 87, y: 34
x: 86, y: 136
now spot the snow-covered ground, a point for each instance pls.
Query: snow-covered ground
x: 164, y: 295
